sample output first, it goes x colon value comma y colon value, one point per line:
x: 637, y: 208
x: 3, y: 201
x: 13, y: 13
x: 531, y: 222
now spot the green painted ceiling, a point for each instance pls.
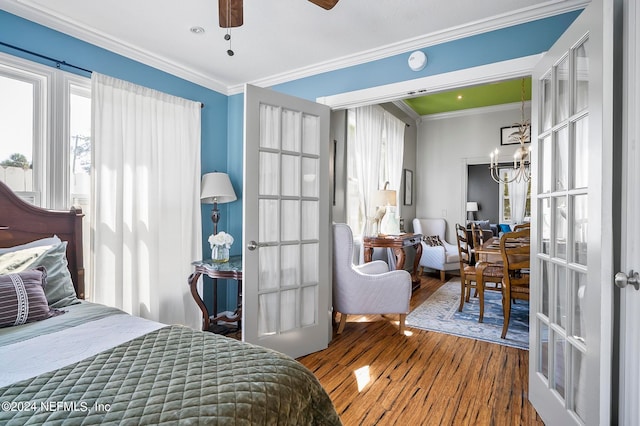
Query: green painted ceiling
x: 502, y: 92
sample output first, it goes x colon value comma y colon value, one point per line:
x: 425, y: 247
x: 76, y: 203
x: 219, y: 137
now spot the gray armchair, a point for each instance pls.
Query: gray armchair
x: 442, y: 257
x: 366, y: 289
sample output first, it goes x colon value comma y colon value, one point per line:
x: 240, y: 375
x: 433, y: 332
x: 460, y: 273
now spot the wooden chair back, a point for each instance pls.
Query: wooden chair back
x: 477, y: 235
x: 521, y: 226
x: 464, y: 252
x: 516, y: 257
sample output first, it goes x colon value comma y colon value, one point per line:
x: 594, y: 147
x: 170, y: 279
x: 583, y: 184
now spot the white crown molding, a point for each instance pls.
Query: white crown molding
x: 35, y: 12
x: 541, y: 11
x: 48, y: 18
x: 474, y: 111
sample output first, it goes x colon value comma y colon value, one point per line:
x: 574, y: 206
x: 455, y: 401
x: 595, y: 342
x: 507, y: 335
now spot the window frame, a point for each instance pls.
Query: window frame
x: 502, y: 198
x: 51, y: 127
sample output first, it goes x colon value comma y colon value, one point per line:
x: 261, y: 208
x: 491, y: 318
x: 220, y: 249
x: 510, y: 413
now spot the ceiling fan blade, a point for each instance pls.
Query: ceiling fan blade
x: 230, y: 13
x: 325, y: 4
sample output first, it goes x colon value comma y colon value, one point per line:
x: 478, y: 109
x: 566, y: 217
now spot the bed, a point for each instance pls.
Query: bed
x: 65, y: 360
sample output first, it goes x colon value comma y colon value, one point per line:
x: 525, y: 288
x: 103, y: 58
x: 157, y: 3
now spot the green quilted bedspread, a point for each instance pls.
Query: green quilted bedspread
x: 173, y: 376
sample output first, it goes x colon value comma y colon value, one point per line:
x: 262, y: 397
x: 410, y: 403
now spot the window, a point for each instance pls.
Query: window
x: 45, y: 137
x: 45, y: 133
x: 506, y: 214
x: 387, y: 141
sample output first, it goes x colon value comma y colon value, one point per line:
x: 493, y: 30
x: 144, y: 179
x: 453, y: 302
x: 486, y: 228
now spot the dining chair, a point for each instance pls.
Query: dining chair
x: 521, y: 226
x: 478, y: 237
x: 467, y: 269
x: 469, y: 273
x: 516, y: 257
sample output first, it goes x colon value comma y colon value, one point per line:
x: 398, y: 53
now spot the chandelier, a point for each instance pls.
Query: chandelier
x: 522, y: 156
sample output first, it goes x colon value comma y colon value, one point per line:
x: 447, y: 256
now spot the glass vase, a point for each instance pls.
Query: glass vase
x: 220, y: 254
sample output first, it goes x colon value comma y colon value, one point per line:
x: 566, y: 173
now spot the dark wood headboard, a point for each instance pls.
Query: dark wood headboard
x: 21, y: 222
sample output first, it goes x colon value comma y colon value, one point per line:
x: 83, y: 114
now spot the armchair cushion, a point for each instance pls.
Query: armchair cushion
x: 374, y: 267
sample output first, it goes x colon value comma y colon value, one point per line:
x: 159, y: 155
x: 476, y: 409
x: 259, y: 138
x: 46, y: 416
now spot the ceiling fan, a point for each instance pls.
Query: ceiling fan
x: 230, y: 11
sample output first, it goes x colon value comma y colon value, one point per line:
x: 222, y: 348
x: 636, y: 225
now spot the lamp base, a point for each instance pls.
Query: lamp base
x: 215, y: 216
x: 389, y: 224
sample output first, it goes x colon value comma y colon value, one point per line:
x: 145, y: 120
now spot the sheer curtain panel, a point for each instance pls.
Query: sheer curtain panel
x: 146, y: 186
x: 367, y: 148
x: 517, y: 197
x: 394, y: 129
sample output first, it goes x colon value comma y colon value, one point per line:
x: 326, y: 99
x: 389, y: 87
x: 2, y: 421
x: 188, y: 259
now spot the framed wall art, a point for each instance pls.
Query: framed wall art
x: 408, y: 187
x: 510, y: 135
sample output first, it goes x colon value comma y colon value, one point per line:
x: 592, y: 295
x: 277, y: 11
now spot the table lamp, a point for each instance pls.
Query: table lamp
x: 216, y: 188
x: 385, y: 199
x: 472, y: 207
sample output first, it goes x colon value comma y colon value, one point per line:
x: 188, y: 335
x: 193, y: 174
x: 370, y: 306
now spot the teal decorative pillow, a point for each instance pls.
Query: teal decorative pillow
x: 504, y: 227
x: 59, y: 289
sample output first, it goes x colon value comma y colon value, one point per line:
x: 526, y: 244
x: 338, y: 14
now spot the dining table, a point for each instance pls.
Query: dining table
x: 488, y: 255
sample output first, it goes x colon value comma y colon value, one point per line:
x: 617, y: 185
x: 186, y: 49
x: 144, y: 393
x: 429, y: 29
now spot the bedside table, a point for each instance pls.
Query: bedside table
x: 227, y: 270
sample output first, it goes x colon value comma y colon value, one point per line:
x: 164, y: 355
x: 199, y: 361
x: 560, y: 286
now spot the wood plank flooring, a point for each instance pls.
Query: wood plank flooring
x: 375, y: 376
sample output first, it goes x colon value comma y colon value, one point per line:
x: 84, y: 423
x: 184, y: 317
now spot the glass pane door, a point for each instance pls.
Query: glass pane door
x: 562, y: 212
x: 288, y: 213
x: 287, y: 275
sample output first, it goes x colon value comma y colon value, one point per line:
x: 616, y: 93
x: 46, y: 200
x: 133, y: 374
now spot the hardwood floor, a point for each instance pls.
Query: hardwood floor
x: 375, y: 376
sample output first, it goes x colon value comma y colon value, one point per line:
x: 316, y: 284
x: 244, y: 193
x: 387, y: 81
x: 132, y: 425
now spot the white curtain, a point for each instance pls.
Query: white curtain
x: 394, y: 130
x: 517, y: 197
x: 367, y: 148
x: 146, y: 181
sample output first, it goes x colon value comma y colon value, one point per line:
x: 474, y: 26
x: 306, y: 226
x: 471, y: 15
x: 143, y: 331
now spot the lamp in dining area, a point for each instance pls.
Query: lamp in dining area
x: 472, y: 207
x: 216, y: 188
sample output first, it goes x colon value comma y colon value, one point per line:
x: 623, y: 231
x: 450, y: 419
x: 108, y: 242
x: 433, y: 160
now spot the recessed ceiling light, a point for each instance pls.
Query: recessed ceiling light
x: 197, y: 30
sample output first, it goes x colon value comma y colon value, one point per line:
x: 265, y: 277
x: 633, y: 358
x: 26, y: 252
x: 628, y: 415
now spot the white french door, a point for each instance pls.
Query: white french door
x: 629, y: 390
x: 572, y: 237
x: 286, y: 270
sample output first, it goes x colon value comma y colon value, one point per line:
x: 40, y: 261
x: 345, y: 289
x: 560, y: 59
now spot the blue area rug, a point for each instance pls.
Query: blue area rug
x: 440, y: 313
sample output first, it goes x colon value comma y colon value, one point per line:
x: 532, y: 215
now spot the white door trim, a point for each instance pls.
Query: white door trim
x: 483, y: 74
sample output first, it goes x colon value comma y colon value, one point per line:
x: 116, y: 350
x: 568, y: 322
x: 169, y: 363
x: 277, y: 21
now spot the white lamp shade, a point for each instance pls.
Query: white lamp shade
x: 384, y: 197
x: 472, y: 206
x: 216, y: 187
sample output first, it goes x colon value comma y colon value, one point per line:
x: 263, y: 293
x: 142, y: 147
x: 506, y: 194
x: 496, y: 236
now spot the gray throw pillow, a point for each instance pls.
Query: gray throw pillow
x: 484, y: 224
x: 59, y: 290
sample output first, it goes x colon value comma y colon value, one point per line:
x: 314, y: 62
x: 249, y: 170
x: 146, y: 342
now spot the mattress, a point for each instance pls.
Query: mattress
x: 134, y: 371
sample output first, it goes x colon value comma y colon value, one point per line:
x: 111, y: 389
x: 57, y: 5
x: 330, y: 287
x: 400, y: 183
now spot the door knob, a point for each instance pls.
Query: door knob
x: 622, y: 280
x: 254, y: 245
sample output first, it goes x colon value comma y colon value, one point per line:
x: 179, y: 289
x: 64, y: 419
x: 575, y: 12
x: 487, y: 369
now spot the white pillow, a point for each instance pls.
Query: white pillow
x: 50, y: 241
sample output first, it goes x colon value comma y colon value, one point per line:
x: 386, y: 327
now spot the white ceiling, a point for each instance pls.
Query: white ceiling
x: 280, y: 40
